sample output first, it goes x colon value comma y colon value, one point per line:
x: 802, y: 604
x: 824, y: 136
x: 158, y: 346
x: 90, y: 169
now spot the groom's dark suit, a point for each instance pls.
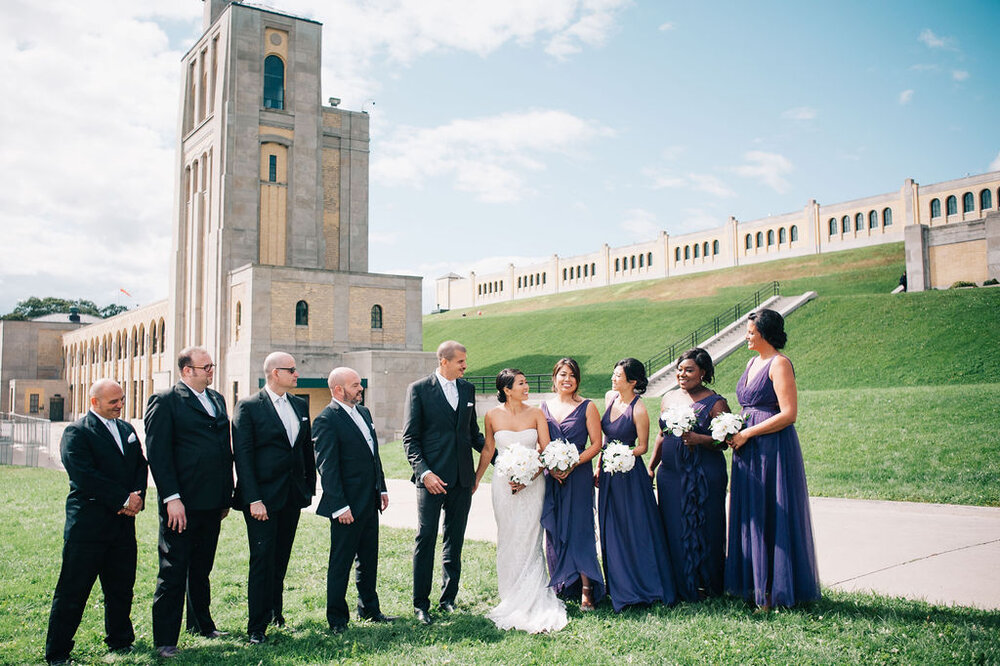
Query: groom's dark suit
x: 440, y: 439
x: 272, y: 470
x: 98, y: 541
x: 351, y: 475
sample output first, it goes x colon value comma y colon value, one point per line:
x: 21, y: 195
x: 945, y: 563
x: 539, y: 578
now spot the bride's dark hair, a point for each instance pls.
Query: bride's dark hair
x: 505, y: 380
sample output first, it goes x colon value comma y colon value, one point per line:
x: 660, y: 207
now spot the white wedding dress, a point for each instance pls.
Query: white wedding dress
x: 526, y: 601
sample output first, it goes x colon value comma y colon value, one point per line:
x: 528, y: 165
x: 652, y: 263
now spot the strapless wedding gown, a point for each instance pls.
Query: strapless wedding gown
x: 526, y: 601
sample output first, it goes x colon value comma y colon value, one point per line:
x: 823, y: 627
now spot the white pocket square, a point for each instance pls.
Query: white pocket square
x: 131, y: 438
x: 304, y: 418
x: 469, y: 404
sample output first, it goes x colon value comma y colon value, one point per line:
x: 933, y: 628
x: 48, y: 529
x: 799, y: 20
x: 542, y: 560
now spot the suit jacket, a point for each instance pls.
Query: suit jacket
x: 101, y: 477
x: 268, y: 467
x: 349, y: 472
x: 438, y: 438
x: 189, y: 450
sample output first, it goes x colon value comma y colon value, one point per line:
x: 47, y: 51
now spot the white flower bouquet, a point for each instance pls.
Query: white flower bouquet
x: 678, y: 419
x: 724, y: 425
x: 560, y: 455
x: 518, y: 464
x: 617, y: 458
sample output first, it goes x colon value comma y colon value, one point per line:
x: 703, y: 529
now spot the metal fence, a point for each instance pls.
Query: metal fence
x: 488, y: 383
x: 22, y: 438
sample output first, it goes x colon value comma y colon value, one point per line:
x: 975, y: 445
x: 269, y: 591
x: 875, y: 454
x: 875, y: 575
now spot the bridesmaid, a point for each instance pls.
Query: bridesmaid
x: 568, y: 512
x: 631, y: 531
x: 771, y: 559
x: 691, y: 483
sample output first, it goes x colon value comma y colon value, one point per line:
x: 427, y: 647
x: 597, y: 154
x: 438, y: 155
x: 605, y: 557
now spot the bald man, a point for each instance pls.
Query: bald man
x: 107, y: 489
x: 276, y: 478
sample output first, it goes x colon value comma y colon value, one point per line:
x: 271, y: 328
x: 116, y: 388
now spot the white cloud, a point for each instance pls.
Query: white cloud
x: 489, y: 157
x: 702, y: 182
x: 768, y: 168
x: 664, y: 27
x: 931, y: 40
x: 906, y: 96
x: 995, y: 164
x: 640, y: 224
x: 800, y: 113
x: 959, y: 75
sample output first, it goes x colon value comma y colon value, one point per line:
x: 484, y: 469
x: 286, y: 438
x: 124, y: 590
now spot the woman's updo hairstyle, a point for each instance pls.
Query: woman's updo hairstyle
x: 574, y: 369
x: 505, y: 380
x: 703, y: 360
x: 634, y: 371
x: 771, y: 327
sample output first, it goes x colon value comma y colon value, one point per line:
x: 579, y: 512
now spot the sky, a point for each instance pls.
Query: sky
x: 500, y: 131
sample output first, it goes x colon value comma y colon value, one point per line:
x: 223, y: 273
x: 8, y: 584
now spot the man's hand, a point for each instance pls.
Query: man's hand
x: 134, y: 506
x: 176, y: 517
x: 434, y: 484
x: 258, y: 510
x: 346, y: 518
x: 385, y: 502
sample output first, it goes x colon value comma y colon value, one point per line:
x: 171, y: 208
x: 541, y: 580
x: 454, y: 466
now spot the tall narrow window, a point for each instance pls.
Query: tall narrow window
x: 794, y: 233
x: 760, y: 239
x: 782, y: 236
x: 952, y: 205
x: 272, y: 168
x: 859, y: 222
x: 274, y: 83
x: 677, y: 251
x: 886, y: 217
x: 715, y: 247
x: 376, y: 316
x: 845, y: 224
x: 687, y: 252
x: 749, y: 242
x: 770, y: 237
x: 649, y: 261
x: 968, y: 202
x: 935, y: 208
x: 833, y: 226
x: 985, y: 200
x: 301, y: 313
x: 642, y: 260
x: 633, y: 262
x: 872, y: 220
x: 697, y: 249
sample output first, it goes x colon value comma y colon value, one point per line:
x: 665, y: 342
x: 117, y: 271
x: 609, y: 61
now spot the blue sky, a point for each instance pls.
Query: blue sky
x: 501, y: 131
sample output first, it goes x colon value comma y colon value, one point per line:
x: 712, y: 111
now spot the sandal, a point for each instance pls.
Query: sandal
x: 586, y: 600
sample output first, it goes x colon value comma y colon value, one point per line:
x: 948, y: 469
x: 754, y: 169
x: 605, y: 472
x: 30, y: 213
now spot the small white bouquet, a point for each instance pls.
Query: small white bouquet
x: 678, y: 419
x: 560, y: 456
x: 518, y: 464
x: 724, y: 425
x: 618, y: 457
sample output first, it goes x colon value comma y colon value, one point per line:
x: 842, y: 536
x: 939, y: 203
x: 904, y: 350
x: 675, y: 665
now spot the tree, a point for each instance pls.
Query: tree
x: 33, y: 307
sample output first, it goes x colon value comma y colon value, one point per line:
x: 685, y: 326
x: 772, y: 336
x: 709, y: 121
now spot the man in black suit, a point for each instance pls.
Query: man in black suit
x: 350, y: 472
x: 107, y: 489
x: 187, y: 441
x: 441, y: 431
x: 275, y: 478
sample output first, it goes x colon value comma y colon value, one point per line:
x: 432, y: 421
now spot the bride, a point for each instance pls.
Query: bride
x: 526, y: 601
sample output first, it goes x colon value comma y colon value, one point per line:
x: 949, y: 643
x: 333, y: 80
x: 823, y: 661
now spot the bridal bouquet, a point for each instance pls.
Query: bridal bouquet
x: 617, y: 457
x: 678, y: 419
x: 518, y: 464
x: 724, y: 425
x: 560, y: 455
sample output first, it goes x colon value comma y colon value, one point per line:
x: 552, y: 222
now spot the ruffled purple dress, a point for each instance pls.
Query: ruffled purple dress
x: 636, y: 566
x: 568, y: 514
x: 691, y: 484
x: 771, y: 551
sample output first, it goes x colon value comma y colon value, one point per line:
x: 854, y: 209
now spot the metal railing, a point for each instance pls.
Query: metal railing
x: 488, y: 383
x: 712, y: 327
x: 21, y: 438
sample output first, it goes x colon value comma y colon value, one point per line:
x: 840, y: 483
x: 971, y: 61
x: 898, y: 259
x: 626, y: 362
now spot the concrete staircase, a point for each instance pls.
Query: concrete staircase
x: 726, y: 341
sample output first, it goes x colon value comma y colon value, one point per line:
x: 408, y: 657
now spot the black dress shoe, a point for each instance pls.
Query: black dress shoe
x: 447, y: 607
x: 167, y: 651
x: 257, y: 637
x: 423, y: 617
x: 379, y: 617
x: 338, y: 628
x: 215, y: 633
x: 278, y: 620
x: 58, y: 661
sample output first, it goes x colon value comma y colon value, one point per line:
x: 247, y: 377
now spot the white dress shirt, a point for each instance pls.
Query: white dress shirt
x: 112, y: 426
x: 286, y: 413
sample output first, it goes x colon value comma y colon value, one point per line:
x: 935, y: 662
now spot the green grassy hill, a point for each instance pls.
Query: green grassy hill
x: 899, y: 393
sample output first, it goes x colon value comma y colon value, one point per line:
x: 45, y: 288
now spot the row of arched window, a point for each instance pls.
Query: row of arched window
x: 629, y: 263
x: 494, y: 287
x: 859, y: 221
x: 699, y: 250
x: 789, y: 235
x: 119, y: 347
x: 968, y: 203
x: 584, y: 270
x: 530, y: 280
x: 302, y: 315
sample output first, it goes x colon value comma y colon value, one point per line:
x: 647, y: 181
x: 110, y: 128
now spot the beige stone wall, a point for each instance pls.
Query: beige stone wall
x: 331, y: 200
x: 958, y: 261
x: 280, y: 49
x: 50, y: 353
x: 319, y: 298
x: 393, y: 302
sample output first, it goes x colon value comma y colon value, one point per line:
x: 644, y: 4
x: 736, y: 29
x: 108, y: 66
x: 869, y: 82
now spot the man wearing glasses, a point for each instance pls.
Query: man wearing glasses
x: 188, y: 447
x: 276, y: 478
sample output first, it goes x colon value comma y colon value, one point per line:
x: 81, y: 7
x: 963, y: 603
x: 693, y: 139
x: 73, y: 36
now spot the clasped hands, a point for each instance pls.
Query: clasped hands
x: 134, y: 506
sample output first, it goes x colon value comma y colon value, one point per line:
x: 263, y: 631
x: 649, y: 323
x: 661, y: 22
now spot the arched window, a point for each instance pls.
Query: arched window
x: 845, y: 224
x: 633, y: 262
x: 377, y: 316
x: 935, y: 208
x: 968, y: 202
x: 687, y: 252
x: 782, y: 236
x: 593, y: 268
x: 617, y: 266
x: 715, y: 247
x: 749, y: 241
x: 519, y: 279
x: 649, y: 259
x: 859, y: 222
x: 704, y: 249
x: 770, y: 237
x: 274, y: 83
x: 872, y: 220
x: 760, y: 239
x: 677, y: 251
x: 301, y: 313
x: 543, y: 281
x: 794, y: 233
x: 833, y: 226
x: 642, y: 260
x: 952, y: 205
x: 697, y: 249
x: 985, y: 200
x: 886, y: 217
x: 586, y: 270
x: 152, y: 340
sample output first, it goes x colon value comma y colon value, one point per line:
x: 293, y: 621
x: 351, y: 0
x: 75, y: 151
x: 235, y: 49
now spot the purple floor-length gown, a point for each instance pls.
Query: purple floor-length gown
x: 691, y: 484
x: 568, y: 514
x: 636, y: 566
x: 771, y: 551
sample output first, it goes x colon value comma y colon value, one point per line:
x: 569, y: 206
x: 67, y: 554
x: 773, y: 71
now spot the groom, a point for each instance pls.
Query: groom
x: 441, y: 431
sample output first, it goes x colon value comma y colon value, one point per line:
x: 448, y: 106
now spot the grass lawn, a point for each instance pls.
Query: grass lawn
x: 841, y: 628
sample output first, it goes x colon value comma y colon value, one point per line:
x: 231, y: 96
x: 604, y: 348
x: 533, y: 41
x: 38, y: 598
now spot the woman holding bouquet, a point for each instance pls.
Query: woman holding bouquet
x: 631, y: 532
x: 516, y: 430
x: 568, y: 515
x: 691, y: 482
x: 771, y: 559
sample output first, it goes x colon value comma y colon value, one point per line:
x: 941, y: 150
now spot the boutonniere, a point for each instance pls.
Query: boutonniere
x: 132, y: 438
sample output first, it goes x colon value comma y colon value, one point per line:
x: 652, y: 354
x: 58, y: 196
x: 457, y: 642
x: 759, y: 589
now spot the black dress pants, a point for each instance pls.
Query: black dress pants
x: 455, y: 503
x: 270, y: 549
x: 355, y: 543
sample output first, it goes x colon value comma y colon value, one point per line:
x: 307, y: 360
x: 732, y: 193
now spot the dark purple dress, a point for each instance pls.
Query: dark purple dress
x: 691, y: 484
x: 568, y: 514
x: 771, y: 548
x: 636, y: 567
